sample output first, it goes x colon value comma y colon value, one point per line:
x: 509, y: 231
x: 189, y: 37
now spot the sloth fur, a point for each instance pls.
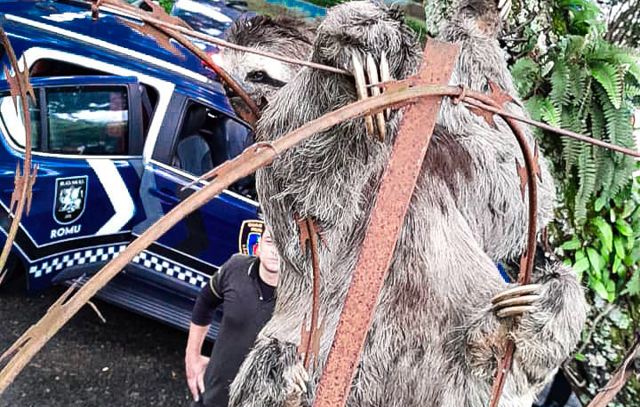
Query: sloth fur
x: 434, y: 340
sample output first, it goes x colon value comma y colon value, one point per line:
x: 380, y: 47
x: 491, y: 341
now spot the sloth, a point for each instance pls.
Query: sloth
x: 444, y: 312
x: 259, y: 76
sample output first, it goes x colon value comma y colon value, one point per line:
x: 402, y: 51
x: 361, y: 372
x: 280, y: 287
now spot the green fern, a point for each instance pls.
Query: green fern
x: 559, y: 81
x: 526, y: 71
x: 609, y: 76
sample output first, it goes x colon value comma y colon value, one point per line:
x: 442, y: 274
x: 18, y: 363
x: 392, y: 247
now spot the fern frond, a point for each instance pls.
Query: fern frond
x: 609, y: 77
x: 587, y: 171
x: 577, y: 84
x: 559, y: 81
x: 550, y: 113
x: 632, y: 91
x: 525, y: 72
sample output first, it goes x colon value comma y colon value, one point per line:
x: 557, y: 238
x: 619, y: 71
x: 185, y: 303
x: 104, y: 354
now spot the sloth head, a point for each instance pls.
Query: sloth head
x: 358, y: 31
x: 479, y: 18
x: 260, y: 76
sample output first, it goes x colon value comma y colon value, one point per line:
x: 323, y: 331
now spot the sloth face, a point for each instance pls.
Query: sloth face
x: 260, y: 76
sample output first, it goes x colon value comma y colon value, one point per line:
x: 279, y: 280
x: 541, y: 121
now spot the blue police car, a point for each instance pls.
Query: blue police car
x: 120, y: 126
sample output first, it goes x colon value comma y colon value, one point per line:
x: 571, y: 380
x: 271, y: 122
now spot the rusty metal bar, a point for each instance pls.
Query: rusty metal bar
x: 387, y: 217
x: 23, y: 183
x: 133, y: 12
x: 310, y: 338
x: 529, y: 178
x: 623, y: 373
x: 256, y: 156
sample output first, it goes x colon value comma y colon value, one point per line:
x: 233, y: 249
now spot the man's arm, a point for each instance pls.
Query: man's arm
x: 195, y: 363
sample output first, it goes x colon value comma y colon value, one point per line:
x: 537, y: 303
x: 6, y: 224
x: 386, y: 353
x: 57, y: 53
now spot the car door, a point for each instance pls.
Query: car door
x: 87, y: 143
x: 194, y: 138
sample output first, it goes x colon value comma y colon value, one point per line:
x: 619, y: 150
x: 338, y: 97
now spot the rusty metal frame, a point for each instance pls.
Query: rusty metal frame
x: 23, y: 183
x: 397, y: 94
x: 387, y: 217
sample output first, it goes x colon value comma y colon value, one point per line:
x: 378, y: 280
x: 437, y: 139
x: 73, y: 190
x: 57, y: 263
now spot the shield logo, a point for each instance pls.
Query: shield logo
x: 70, y: 198
x: 249, y: 236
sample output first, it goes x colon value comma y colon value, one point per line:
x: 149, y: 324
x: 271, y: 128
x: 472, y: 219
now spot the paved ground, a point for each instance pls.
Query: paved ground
x: 129, y: 361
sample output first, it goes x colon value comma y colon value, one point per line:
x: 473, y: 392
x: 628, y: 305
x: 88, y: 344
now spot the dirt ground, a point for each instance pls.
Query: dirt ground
x: 129, y: 361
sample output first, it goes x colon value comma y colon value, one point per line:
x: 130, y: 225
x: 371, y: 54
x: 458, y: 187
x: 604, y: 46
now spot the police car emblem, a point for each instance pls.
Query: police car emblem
x: 70, y: 198
x: 249, y: 236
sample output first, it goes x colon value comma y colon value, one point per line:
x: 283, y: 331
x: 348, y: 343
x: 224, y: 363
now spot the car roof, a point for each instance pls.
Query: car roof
x: 67, y: 26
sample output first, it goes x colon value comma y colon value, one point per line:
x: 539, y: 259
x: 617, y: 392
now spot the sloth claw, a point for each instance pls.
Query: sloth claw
x: 516, y: 301
x: 514, y: 311
x: 517, y: 291
x: 372, y: 73
x: 375, y: 74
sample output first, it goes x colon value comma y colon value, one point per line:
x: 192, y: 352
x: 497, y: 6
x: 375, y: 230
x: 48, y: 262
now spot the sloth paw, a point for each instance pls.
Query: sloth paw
x: 516, y: 301
x: 296, y: 381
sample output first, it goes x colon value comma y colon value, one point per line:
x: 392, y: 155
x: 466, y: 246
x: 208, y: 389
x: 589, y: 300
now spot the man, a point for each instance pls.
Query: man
x: 246, y: 286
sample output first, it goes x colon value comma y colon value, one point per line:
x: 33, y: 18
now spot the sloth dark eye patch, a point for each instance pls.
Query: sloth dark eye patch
x: 264, y: 78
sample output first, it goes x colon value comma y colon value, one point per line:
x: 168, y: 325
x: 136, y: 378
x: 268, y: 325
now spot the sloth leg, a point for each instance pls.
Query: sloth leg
x: 270, y: 377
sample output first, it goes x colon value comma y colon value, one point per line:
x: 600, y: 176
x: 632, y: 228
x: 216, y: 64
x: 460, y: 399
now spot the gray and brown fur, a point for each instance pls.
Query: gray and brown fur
x: 262, y: 77
x: 434, y: 340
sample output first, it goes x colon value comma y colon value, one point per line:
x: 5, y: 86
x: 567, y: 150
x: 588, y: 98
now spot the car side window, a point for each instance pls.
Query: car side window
x: 207, y: 139
x: 80, y: 120
x: 87, y: 120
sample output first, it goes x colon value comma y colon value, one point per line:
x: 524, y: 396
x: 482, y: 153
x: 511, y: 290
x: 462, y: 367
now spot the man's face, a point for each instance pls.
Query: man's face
x: 268, y: 253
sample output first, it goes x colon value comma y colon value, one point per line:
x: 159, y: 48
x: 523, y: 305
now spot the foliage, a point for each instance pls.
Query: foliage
x: 418, y: 26
x: 606, y: 250
x: 572, y: 76
x: 167, y: 5
x: 591, y: 88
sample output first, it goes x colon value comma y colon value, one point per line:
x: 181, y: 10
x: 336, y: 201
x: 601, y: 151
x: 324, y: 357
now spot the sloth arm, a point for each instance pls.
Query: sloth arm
x: 544, y: 337
x: 467, y: 279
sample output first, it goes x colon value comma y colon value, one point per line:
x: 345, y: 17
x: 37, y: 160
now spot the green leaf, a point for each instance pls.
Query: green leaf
x: 623, y: 227
x: 580, y: 357
x: 600, y: 203
x: 619, y: 246
x: 617, y: 262
x: 604, y: 232
x: 580, y: 266
x: 629, y: 207
x: 611, y: 290
x: 633, y: 285
x: 600, y: 289
x: 595, y: 260
x: 573, y: 244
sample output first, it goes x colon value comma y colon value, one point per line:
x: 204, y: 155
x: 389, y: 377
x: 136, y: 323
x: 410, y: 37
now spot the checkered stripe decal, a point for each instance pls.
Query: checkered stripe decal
x: 100, y: 254
x: 171, y: 269
x: 87, y: 256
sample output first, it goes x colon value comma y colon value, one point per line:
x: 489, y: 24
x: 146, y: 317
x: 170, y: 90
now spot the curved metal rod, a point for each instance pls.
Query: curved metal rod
x: 132, y: 12
x: 23, y: 182
x: 165, y: 24
x: 524, y: 275
x: 253, y: 158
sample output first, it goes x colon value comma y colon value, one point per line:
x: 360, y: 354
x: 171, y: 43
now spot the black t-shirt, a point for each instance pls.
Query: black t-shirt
x: 239, y: 287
